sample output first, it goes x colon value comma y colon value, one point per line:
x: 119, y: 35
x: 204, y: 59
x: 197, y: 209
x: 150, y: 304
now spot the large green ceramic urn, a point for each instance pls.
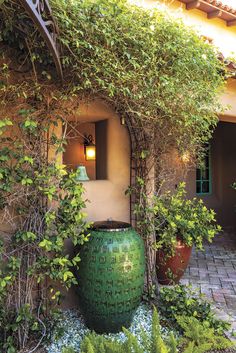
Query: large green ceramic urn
x: 111, y: 276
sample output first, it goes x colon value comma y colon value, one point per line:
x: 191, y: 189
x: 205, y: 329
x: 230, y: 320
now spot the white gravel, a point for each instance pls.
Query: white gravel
x: 73, y: 329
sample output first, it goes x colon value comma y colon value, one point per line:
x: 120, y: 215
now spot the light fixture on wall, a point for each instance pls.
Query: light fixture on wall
x: 89, y: 148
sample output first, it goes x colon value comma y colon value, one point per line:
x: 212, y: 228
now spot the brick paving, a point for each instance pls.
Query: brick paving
x: 214, y: 272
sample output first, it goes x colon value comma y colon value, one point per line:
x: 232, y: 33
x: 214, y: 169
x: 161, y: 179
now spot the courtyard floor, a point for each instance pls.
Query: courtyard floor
x: 214, y: 272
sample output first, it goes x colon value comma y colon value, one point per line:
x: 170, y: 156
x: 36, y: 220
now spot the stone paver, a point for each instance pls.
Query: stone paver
x: 214, y: 273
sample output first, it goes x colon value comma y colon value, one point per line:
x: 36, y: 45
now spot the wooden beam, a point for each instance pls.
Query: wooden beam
x: 231, y: 23
x: 214, y: 14
x: 228, y: 118
x: 193, y: 5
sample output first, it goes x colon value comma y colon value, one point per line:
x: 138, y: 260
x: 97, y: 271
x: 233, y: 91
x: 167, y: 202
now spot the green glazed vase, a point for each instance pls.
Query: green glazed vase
x: 111, y: 276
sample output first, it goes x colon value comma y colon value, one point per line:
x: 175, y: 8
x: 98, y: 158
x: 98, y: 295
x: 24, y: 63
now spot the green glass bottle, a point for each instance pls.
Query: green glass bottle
x: 111, y: 276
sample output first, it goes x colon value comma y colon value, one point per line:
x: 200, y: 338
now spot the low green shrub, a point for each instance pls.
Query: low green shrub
x: 184, y: 301
x: 94, y: 343
x: 199, y: 337
x: 68, y: 350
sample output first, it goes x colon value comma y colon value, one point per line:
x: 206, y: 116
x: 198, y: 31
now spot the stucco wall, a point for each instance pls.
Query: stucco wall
x: 228, y: 100
x: 107, y: 197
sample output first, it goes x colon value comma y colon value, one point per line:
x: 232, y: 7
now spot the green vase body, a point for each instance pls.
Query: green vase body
x: 111, y: 276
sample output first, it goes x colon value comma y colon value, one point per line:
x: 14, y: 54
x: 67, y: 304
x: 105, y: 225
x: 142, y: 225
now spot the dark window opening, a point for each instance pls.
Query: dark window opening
x: 203, y: 175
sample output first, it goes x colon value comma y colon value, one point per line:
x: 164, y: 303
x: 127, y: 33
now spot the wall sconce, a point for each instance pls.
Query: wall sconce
x: 89, y: 148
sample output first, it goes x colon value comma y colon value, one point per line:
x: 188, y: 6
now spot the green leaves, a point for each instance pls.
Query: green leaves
x: 26, y: 181
x: 67, y: 275
x: 4, y: 123
x: 201, y: 336
x: 146, y: 344
x: 26, y: 159
x: 148, y: 66
x: 46, y: 244
x: 176, y: 216
x: 22, y: 236
x: 5, y: 281
x: 47, y: 202
x: 184, y: 301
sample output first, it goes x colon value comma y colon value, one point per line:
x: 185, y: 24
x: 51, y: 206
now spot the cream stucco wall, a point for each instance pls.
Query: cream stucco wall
x: 107, y: 198
x: 228, y: 99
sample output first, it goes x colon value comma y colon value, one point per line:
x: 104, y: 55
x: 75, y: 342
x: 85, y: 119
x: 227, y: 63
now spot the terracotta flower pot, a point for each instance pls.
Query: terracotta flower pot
x: 171, y: 268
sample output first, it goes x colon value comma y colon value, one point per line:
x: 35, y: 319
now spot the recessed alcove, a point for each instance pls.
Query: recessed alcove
x: 74, y: 156
x: 109, y: 174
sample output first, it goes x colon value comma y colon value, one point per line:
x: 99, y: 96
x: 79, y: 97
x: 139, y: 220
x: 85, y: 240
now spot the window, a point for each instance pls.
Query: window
x: 203, y: 175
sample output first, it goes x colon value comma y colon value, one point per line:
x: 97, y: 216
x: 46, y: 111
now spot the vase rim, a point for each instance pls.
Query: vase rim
x: 111, y: 226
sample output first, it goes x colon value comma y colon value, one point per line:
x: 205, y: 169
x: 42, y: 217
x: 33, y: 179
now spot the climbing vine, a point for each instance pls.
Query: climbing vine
x: 158, y: 74
x: 41, y: 204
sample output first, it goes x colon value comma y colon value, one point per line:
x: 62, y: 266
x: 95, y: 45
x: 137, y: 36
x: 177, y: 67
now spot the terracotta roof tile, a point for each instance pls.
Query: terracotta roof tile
x: 228, y: 13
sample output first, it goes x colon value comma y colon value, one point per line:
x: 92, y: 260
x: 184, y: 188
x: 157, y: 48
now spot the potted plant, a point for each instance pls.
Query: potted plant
x: 180, y: 223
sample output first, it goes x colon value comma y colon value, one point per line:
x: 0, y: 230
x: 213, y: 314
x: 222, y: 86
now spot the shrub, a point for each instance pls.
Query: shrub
x: 155, y: 344
x: 176, y: 216
x: 184, y: 301
x: 68, y: 350
x: 199, y: 337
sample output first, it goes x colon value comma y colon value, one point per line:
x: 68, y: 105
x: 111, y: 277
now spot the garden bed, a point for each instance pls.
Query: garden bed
x: 70, y: 329
x: 184, y: 318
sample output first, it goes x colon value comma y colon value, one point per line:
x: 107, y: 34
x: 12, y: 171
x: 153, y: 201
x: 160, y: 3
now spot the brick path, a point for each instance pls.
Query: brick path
x: 214, y: 271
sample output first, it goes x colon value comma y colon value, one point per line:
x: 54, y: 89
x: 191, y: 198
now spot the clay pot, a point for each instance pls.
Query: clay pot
x: 170, y: 269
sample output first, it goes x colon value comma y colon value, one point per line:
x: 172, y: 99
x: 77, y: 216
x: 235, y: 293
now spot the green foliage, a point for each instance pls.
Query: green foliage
x: 146, y: 63
x: 184, y: 301
x: 154, y: 344
x: 172, y: 214
x: 68, y: 350
x: 44, y: 204
x: 200, y: 337
x: 176, y: 216
x: 141, y: 62
x: 95, y: 343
